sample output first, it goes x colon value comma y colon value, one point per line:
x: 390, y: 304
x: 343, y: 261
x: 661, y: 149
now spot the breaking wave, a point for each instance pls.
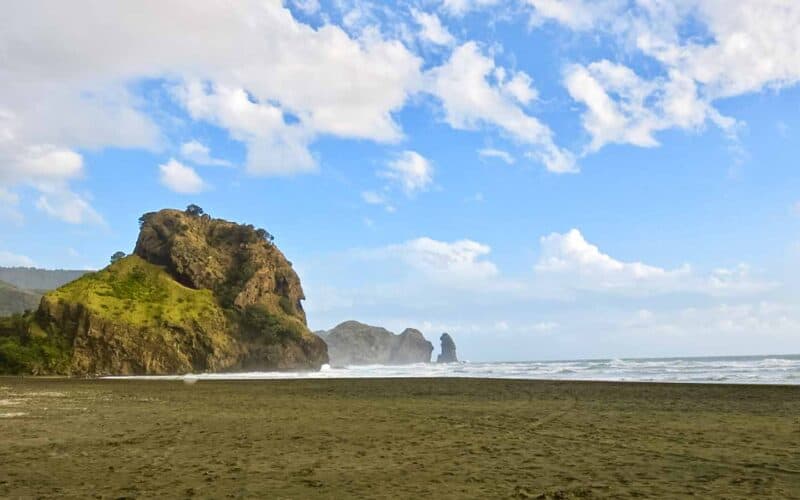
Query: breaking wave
x: 728, y: 370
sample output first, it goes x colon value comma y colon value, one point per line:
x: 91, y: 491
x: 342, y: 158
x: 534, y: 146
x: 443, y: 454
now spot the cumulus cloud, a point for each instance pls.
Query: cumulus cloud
x: 732, y: 49
x: 470, y: 100
x: 569, y: 261
x: 411, y: 171
x: 431, y: 28
x: 198, y: 153
x: 570, y: 253
x: 62, y: 91
x: 576, y: 14
x: 180, y: 178
x: 626, y: 109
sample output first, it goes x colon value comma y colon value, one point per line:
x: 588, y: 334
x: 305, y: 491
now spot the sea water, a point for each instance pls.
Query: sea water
x: 774, y: 369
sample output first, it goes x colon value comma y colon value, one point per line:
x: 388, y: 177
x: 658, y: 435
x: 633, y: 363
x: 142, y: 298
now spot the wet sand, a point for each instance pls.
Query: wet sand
x: 396, y: 438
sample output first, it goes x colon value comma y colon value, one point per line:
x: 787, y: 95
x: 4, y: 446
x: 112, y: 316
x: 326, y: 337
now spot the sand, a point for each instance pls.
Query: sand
x: 400, y: 438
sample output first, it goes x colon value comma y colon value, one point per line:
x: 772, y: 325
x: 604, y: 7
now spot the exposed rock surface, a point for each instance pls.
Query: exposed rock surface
x: 354, y: 343
x: 448, y: 354
x: 199, y: 294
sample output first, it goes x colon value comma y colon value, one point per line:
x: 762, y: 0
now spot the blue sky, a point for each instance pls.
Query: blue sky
x: 540, y: 178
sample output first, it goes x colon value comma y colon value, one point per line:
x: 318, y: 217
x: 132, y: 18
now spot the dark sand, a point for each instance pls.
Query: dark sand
x: 443, y: 438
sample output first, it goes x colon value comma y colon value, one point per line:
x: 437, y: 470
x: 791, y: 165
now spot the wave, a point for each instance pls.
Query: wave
x: 749, y: 369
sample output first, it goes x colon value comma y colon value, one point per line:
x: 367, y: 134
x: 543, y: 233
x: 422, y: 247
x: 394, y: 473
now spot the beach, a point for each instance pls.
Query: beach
x: 396, y: 438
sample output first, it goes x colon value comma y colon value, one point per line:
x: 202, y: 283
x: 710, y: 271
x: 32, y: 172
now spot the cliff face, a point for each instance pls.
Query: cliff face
x: 354, y: 343
x: 199, y: 294
x: 232, y: 260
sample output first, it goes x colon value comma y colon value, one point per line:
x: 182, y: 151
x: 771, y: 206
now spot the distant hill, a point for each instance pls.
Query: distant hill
x: 14, y: 300
x: 29, y: 278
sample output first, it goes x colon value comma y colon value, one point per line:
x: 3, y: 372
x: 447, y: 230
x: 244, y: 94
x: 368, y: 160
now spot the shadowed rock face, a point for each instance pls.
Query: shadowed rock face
x: 199, y: 294
x: 448, y: 354
x: 354, y: 343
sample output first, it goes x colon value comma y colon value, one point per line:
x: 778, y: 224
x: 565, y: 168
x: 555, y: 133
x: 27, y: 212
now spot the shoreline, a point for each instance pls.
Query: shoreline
x: 222, y: 377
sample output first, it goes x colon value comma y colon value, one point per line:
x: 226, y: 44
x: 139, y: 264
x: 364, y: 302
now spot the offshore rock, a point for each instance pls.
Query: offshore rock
x: 448, y: 354
x: 354, y: 343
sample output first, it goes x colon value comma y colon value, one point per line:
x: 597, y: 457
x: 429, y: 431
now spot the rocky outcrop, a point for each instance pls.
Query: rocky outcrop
x: 354, y: 343
x: 198, y: 295
x: 448, y: 354
x: 237, y: 262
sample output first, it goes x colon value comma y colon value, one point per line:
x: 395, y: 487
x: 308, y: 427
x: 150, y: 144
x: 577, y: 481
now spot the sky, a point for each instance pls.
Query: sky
x: 542, y: 179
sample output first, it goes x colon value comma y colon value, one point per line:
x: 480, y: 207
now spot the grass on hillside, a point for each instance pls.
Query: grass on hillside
x: 137, y: 293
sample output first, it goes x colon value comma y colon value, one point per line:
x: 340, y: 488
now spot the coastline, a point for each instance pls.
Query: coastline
x: 443, y: 437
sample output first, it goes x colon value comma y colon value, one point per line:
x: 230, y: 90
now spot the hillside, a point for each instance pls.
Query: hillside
x: 29, y: 278
x: 14, y: 300
x: 198, y: 294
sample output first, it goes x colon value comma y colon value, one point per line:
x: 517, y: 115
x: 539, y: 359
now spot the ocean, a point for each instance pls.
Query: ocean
x: 770, y: 369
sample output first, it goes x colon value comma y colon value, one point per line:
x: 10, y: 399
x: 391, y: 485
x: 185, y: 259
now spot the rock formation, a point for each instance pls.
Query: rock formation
x: 448, y: 354
x: 198, y: 294
x: 354, y: 343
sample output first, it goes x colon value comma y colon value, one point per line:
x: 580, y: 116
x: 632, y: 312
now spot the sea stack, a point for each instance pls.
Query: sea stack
x: 354, y: 343
x: 448, y: 354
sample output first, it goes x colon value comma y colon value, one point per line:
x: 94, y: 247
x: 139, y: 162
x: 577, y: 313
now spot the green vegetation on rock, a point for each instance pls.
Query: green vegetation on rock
x: 26, y: 348
x: 198, y: 294
x: 138, y: 293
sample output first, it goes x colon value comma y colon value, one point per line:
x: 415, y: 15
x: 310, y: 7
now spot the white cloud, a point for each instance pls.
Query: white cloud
x: 431, y: 28
x: 180, y: 178
x: 68, y: 207
x: 411, y: 171
x: 754, y: 43
x: 569, y: 261
x: 307, y: 6
x: 731, y: 49
x: 197, y: 152
x: 571, y: 253
x: 623, y: 108
x: 576, y: 14
x: 9, y: 259
x: 461, y: 7
x: 457, y: 263
x: 274, y: 147
x: 63, y: 91
x: 470, y: 100
x: 49, y: 165
x: 497, y: 153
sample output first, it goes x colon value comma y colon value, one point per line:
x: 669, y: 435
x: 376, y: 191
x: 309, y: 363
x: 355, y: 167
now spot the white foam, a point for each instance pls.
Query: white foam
x: 750, y: 370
